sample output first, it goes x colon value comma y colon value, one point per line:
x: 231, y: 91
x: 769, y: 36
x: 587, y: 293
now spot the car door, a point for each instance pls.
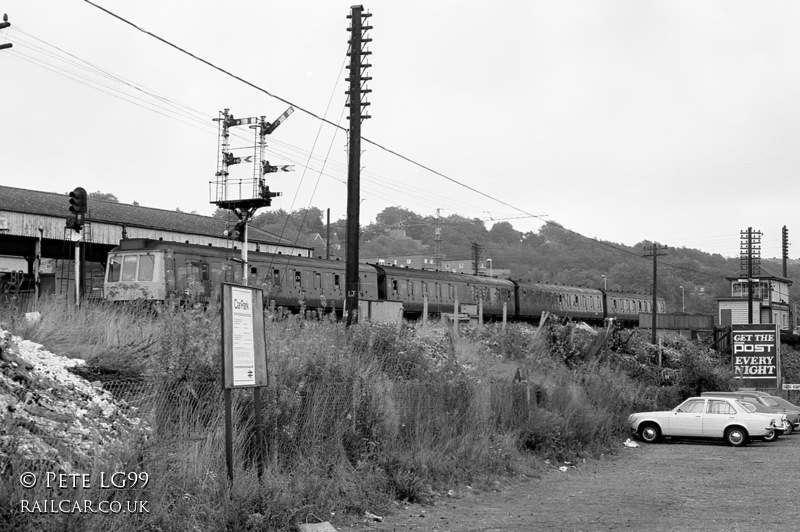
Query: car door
x: 718, y: 415
x: 687, y: 418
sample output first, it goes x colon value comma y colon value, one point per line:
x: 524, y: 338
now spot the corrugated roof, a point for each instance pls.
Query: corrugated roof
x: 55, y: 204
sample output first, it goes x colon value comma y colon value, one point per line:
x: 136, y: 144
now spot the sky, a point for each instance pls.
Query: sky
x: 671, y: 121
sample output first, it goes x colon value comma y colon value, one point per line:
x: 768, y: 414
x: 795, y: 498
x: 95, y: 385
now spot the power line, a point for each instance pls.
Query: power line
x: 324, y: 120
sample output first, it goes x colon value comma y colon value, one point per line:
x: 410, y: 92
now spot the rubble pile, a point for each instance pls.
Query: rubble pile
x: 51, y: 416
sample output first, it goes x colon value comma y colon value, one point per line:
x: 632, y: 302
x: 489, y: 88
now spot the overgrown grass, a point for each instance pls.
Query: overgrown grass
x: 353, y: 418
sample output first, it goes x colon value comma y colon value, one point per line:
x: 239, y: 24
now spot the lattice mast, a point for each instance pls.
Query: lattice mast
x: 356, y: 102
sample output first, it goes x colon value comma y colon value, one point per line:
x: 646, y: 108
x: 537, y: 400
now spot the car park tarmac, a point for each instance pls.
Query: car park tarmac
x: 673, y: 485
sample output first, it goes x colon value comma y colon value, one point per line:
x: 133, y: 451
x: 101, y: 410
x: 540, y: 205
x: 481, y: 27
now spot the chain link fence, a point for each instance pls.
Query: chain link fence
x: 322, y: 420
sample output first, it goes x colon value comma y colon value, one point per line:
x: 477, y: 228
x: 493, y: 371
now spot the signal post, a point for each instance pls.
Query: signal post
x: 243, y: 338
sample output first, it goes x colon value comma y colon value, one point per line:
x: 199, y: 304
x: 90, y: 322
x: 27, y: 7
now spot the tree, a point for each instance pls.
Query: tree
x: 103, y: 196
x: 504, y: 233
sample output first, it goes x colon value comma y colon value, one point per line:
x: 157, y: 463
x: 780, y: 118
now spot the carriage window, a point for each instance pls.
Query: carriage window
x: 276, y: 277
x: 438, y: 290
x: 409, y: 288
x: 129, y: 267
x: 450, y: 291
x: 114, y: 269
x: 317, y: 280
x: 394, y: 285
x: 336, y: 280
x: 298, y: 278
x: 216, y: 272
x: 424, y: 288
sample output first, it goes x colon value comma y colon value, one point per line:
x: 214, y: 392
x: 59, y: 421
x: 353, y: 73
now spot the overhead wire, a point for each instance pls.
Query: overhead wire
x: 326, y: 121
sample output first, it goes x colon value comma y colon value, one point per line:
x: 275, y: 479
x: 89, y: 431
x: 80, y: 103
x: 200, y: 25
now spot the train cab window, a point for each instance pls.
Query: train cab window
x: 146, y: 265
x: 129, y: 267
x: 114, y: 269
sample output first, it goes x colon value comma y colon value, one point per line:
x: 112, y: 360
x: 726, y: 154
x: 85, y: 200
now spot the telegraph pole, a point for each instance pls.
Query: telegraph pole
x: 357, y: 77
x: 750, y: 262
x: 785, y: 241
x: 655, y: 252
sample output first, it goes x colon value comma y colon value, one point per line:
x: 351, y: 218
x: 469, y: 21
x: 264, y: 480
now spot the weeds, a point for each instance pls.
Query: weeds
x: 352, y: 418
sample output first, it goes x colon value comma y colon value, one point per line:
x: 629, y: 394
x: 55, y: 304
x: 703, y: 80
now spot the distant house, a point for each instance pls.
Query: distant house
x: 770, y: 302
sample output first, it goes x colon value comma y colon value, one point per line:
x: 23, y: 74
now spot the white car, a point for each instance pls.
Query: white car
x: 707, y: 417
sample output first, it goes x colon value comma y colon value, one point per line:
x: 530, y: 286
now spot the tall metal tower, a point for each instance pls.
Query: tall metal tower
x: 356, y: 102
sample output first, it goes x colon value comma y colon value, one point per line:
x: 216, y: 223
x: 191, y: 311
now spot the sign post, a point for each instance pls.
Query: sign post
x: 244, y: 361
x: 756, y: 355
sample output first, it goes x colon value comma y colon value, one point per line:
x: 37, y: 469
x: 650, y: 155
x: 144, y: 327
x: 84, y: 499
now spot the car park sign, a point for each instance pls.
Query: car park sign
x: 755, y: 353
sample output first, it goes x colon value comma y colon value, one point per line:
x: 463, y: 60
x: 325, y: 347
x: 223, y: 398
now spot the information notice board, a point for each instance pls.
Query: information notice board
x: 756, y: 354
x: 244, y: 357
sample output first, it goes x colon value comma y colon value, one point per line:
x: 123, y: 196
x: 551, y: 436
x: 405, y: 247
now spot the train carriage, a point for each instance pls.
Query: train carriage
x: 569, y: 301
x: 625, y: 307
x: 143, y: 269
x: 443, y: 288
x: 154, y: 270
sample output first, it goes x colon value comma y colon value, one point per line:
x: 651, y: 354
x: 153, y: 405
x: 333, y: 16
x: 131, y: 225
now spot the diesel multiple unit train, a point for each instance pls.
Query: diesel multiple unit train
x: 143, y: 269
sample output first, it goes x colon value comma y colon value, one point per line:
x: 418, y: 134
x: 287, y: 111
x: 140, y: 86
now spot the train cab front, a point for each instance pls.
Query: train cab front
x: 135, y: 276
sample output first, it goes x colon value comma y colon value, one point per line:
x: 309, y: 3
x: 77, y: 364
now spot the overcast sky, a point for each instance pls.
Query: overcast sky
x: 625, y: 120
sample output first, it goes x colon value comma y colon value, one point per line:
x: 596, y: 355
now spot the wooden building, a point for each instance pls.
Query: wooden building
x: 770, y: 302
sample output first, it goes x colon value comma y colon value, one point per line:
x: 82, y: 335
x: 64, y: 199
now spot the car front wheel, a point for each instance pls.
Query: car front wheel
x: 789, y: 428
x: 736, y: 436
x: 649, y: 433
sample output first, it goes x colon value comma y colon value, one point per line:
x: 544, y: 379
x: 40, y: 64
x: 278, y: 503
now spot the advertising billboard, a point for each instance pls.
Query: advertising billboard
x: 756, y: 354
